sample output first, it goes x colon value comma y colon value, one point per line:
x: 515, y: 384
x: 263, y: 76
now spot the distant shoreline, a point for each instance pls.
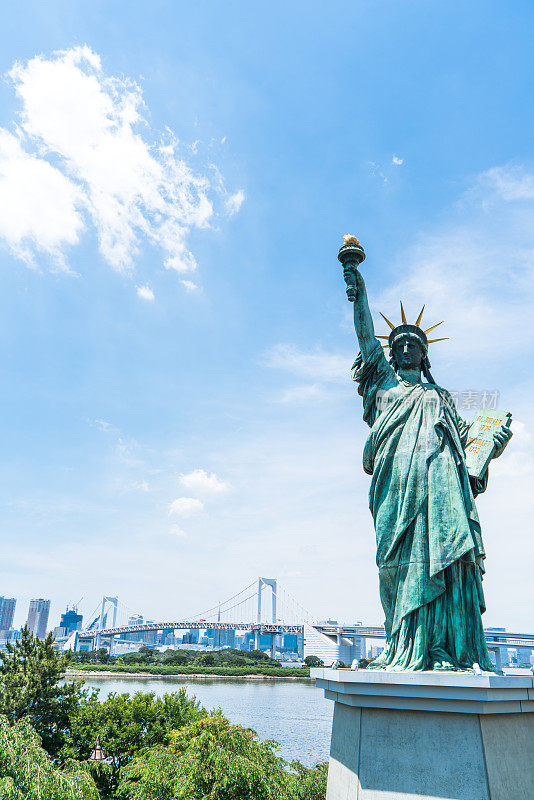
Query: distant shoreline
x: 196, y: 676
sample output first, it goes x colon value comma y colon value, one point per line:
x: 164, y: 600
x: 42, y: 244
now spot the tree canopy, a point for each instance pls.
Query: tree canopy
x: 31, y: 687
x: 211, y: 759
x: 313, y: 661
x: 27, y: 771
x: 126, y: 724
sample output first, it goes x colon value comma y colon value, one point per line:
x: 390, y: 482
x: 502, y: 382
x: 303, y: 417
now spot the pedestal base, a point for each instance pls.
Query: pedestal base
x: 429, y: 736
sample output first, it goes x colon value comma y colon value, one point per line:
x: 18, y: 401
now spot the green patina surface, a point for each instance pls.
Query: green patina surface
x: 429, y: 546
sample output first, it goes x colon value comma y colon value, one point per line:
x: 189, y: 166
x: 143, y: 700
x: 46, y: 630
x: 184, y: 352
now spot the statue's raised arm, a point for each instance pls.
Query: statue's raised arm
x: 351, y: 256
x: 363, y: 321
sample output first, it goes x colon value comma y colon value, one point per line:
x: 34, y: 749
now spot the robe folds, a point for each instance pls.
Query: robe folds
x: 429, y: 545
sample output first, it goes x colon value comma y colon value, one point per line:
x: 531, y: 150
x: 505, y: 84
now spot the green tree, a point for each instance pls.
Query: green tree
x: 174, y: 657
x: 27, y: 772
x: 30, y: 686
x: 238, y: 661
x: 83, y: 656
x: 204, y: 660
x: 102, y: 655
x: 313, y: 661
x: 310, y: 784
x: 258, y: 655
x: 209, y: 760
x: 126, y: 724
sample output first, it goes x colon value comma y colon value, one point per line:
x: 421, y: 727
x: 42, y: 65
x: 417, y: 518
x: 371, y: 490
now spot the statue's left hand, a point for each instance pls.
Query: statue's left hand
x: 501, y: 439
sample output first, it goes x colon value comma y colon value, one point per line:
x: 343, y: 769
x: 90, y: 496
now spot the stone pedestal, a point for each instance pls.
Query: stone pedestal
x: 429, y: 735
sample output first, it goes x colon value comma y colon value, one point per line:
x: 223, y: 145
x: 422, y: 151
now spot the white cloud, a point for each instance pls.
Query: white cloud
x: 189, y: 286
x: 521, y: 433
x: 234, y: 202
x: 186, y: 506
x: 200, y: 481
x: 318, y: 365
x: 29, y: 221
x: 83, y: 153
x: 145, y: 292
x: 398, y: 161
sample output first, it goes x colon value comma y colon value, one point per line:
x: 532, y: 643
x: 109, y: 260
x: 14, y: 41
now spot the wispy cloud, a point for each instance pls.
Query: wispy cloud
x: 142, y: 486
x: 397, y: 161
x: 376, y: 170
x: 302, y: 394
x: 175, y: 530
x: 506, y: 182
x: 316, y: 365
x: 189, y: 286
x: 234, y: 202
x: 475, y: 269
x: 81, y: 154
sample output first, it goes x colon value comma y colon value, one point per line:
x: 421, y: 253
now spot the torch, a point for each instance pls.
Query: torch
x: 351, y: 255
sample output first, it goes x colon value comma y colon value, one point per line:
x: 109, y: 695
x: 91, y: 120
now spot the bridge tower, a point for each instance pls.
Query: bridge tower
x: 113, y: 602
x: 107, y: 604
x: 261, y: 583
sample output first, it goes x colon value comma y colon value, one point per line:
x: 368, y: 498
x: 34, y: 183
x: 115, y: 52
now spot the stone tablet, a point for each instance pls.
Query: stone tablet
x: 479, y: 451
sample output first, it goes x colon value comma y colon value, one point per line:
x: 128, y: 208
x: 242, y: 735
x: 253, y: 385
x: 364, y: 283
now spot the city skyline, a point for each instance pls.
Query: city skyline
x: 179, y: 414
x: 327, y: 639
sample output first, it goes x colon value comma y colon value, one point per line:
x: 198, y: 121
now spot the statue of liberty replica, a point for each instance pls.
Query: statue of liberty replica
x: 430, y: 553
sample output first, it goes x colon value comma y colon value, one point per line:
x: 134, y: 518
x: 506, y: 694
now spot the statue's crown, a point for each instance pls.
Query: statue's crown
x: 407, y: 329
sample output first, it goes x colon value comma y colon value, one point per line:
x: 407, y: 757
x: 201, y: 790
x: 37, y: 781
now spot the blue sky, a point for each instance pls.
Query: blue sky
x: 175, y: 181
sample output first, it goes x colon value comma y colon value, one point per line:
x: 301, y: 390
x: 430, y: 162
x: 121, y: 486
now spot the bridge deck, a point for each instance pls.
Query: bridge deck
x: 504, y: 638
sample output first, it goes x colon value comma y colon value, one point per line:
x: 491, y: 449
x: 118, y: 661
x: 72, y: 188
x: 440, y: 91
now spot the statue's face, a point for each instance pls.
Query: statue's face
x: 408, y: 353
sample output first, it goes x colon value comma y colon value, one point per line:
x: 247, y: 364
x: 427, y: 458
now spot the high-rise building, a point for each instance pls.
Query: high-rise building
x: 38, y: 617
x: 71, y: 621
x: 135, y: 619
x: 191, y: 637
x: 149, y: 637
x: 7, y: 612
x: 221, y: 638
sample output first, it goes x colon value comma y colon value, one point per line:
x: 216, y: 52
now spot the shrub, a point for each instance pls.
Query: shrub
x: 209, y: 759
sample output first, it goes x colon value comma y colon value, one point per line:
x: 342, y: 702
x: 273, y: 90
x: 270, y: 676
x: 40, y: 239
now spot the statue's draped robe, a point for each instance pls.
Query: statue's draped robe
x: 429, y: 544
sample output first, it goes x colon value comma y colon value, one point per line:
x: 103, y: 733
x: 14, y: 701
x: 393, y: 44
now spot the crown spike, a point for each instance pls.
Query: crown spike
x: 391, y: 325
x: 433, y: 326
x: 403, y: 315
x: 420, y: 317
x: 438, y: 340
x: 378, y: 336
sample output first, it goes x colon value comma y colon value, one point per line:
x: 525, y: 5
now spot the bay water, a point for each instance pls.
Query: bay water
x: 294, y: 713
